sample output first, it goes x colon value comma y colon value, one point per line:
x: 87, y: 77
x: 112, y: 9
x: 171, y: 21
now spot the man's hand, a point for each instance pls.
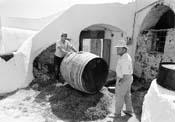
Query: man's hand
x: 73, y: 49
x: 126, y: 77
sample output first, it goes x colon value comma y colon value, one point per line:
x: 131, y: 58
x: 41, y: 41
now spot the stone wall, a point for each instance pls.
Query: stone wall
x: 43, y: 67
x: 147, y: 61
x: 169, y: 51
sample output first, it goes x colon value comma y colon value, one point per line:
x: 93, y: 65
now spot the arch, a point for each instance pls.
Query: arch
x: 152, y: 42
x: 99, y: 27
x: 154, y: 15
x: 100, y: 39
x: 103, y: 26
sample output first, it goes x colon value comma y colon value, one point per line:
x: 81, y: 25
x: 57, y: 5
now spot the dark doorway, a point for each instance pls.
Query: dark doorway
x: 96, y: 43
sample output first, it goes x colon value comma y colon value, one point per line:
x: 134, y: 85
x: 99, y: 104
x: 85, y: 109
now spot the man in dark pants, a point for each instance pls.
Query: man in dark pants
x: 63, y: 46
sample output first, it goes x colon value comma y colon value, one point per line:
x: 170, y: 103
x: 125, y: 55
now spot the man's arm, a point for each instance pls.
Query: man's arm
x: 62, y: 50
x: 72, y: 47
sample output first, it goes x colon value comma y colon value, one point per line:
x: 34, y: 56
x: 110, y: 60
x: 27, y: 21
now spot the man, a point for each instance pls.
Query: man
x: 63, y: 47
x: 124, y: 79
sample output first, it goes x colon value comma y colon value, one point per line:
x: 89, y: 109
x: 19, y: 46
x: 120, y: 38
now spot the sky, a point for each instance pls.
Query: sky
x: 79, y: 1
x: 39, y: 8
x: 101, y: 1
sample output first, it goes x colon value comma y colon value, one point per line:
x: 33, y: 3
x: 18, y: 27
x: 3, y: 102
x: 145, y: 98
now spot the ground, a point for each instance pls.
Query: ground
x: 61, y: 103
x: 47, y: 100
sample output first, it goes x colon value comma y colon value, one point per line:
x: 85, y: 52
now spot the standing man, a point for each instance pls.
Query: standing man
x: 124, y: 79
x: 63, y: 47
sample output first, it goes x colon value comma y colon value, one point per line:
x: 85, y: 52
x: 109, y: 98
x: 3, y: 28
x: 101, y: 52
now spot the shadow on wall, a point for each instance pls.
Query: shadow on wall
x: 7, y: 57
x: 43, y: 68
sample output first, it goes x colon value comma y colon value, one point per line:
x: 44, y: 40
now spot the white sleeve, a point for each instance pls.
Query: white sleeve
x: 126, y: 68
x: 58, y: 44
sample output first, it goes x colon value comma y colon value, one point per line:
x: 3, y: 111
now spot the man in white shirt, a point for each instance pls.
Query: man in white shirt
x: 63, y: 47
x: 124, y: 79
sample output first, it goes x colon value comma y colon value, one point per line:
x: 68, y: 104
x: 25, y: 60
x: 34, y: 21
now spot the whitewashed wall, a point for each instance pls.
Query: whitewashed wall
x: 79, y: 17
x: 33, y: 24
x: 1, y: 46
x: 73, y: 21
x: 113, y: 57
x: 13, y: 38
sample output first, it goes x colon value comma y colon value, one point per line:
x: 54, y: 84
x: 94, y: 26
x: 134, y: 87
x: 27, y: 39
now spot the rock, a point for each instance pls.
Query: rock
x: 43, y: 68
x: 70, y: 104
x: 35, y: 86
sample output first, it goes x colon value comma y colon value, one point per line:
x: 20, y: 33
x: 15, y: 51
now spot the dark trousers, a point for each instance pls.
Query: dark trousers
x: 57, y: 63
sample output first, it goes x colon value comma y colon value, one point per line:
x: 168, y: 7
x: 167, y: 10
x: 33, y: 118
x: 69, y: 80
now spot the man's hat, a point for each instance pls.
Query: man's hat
x: 121, y: 43
x: 64, y: 34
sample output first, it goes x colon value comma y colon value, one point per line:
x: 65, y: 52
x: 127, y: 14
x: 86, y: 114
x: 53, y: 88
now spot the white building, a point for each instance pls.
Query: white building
x: 92, y: 27
x: 107, y: 22
x: 154, y: 42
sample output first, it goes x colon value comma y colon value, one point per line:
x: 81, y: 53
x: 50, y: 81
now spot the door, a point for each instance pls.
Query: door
x: 107, y: 50
x: 96, y: 46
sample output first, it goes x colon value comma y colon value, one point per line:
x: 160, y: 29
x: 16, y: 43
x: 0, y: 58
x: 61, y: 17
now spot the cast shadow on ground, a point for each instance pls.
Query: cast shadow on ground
x: 124, y: 118
x: 72, y: 105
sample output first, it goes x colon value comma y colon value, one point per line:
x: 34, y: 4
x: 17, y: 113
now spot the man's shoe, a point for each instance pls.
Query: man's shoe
x: 129, y: 113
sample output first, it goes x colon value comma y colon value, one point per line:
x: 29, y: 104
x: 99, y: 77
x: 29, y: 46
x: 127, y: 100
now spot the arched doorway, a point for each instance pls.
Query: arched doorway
x: 100, y: 39
x: 155, y: 42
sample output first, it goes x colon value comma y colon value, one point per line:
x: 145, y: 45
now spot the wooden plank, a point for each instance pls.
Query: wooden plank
x: 98, y: 34
x: 107, y: 50
x: 96, y: 46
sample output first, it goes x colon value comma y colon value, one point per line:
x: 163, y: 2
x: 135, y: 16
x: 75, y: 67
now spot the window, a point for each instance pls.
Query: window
x: 159, y: 43
x: 156, y: 40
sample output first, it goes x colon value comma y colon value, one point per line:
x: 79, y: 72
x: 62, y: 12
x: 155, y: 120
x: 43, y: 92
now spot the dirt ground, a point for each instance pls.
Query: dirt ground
x: 61, y: 103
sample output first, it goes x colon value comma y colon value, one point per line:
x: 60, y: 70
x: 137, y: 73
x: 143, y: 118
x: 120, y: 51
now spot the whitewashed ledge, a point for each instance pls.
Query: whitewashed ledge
x: 158, y: 105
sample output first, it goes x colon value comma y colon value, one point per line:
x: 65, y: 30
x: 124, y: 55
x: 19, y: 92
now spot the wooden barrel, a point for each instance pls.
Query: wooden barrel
x: 84, y: 71
x: 166, y: 75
